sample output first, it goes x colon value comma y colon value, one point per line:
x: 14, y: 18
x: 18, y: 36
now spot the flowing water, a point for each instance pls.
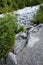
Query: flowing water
x: 25, y: 16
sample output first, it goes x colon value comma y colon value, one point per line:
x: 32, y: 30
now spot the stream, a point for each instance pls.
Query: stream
x: 25, y: 16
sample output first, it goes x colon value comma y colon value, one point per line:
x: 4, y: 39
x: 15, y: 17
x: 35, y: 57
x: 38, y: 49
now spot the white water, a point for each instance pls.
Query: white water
x: 25, y: 15
x: 25, y: 10
x: 28, y: 10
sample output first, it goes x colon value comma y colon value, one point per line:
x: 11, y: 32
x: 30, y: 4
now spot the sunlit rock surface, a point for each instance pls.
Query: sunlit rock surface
x: 20, y: 42
x: 33, y: 55
x: 11, y: 59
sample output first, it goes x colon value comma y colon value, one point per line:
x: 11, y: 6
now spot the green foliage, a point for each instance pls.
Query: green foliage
x: 40, y: 1
x: 38, y: 18
x: 21, y: 28
x: 7, y: 33
x: 21, y: 4
x: 7, y: 6
x: 34, y: 2
x: 11, y: 5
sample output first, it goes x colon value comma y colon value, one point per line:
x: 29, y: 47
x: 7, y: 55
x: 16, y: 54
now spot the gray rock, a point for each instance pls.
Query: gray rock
x: 23, y: 35
x: 32, y: 55
x: 20, y: 42
x: 11, y: 59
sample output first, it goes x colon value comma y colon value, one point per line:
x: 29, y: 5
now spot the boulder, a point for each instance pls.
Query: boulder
x: 23, y: 35
x: 11, y: 59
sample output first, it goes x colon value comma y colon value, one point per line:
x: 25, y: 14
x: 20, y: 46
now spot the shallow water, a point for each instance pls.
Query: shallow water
x: 26, y: 14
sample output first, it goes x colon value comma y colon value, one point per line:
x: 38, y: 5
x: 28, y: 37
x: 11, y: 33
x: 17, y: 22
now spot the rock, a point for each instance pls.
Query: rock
x: 35, y: 25
x: 23, y: 35
x: 33, y: 29
x: 32, y: 39
x: 32, y: 55
x: 19, y: 45
x: 11, y: 59
x: 20, y: 42
x: 28, y: 28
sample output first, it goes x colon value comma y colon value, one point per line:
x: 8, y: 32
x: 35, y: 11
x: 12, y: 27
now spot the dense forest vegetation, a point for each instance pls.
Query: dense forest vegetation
x: 11, y: 5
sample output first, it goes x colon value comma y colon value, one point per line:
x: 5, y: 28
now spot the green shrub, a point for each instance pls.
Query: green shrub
x: 21, y: 4
x: 34, y: 2
x: 7, y: 33
x: 38, y: 18
x: 11, y: 5
x: 21, y: 28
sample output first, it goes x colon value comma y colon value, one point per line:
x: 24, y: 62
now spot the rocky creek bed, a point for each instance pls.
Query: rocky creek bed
x: 28, y: 49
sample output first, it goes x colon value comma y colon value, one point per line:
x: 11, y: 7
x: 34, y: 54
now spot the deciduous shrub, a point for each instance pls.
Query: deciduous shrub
x: 38, y: 18
x: 7, y: 33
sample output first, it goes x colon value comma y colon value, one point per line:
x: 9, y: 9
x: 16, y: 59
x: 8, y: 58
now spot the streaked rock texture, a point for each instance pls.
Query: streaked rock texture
x: 11, y: 59
x: 33, y: 55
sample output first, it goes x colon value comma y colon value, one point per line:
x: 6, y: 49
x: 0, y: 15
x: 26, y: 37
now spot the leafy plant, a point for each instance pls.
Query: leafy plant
x: 38, y: 18
x: 21, y: 28
x: 7, y: 33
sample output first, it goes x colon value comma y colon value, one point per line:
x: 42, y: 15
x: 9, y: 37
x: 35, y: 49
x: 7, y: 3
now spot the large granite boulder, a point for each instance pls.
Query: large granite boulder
x: 33, y: 55
x: 11, y: 59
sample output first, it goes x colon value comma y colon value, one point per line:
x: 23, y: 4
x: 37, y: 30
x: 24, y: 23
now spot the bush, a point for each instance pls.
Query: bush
x: 21, y: 28
x: 34, y: 2
x: 11, y: 5
x: 38, y: 18
x: 7, y: 33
